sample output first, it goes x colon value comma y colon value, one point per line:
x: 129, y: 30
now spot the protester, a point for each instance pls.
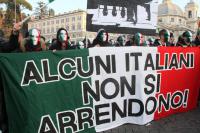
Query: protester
x: 112, y: 42
x: 150, y: 42
x: 121, y: 41
x: 101, y: 39
x: 197, y: 39
x: 164, y: 38
x: 11, y: 45
x: 62, y: 41
x: 80, y: 45
x: 172, y: 39
x: 130, y: 42
x: 139, y: 40
x: 34, y: 42
x: 87, y: 42
x: 187, y: 39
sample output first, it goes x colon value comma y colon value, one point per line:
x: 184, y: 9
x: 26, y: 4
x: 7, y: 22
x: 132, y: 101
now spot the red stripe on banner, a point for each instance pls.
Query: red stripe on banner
x: 176, y: 82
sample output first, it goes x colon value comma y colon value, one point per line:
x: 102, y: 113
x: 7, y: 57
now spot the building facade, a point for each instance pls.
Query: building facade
x: 173, y: 18
x: 74, y: 22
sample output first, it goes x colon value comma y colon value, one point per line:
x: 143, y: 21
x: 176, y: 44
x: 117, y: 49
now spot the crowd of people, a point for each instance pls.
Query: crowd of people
x: 34, y: 41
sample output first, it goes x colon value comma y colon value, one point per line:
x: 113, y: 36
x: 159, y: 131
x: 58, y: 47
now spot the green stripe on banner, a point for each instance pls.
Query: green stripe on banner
x: 28, y: 103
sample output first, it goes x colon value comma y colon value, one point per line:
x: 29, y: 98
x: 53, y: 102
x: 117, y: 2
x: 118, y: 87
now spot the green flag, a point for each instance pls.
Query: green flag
x: 51, y: 1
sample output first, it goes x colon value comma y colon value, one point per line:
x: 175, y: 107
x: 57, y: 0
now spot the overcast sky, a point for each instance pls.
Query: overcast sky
x: 61, y: 6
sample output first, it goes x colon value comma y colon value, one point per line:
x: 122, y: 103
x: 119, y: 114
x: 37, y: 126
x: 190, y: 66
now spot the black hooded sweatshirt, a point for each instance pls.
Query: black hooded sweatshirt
x: 98, y: 41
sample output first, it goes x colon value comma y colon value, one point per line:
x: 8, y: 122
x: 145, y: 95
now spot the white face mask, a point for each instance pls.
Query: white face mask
x: 81, y: 45
x: 104, y: 37
x: 63, y: 36
x: 34, y: 36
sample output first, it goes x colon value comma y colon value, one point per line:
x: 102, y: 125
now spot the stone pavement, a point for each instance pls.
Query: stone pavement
x: 179, y: 123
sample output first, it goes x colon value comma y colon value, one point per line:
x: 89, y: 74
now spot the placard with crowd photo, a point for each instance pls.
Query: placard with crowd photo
x: 122, y: 16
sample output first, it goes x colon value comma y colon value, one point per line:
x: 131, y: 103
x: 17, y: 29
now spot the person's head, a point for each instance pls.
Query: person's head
x: 198, y: 34
x: 62, y: 35
x: 171, y: 37
x: 121, y: 40
x: 139, y: 39
x: 164, y: 35
x: 102, y: 35
x: 187, y: 36
x: 81, y: 45
x: 150, y: 41
x: 34, y: 35
x: 112, y: 42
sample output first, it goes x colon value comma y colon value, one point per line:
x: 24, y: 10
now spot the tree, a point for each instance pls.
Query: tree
x: 10, y: 9
x: 51, y: 12
x: 10, y: 5
x: 41, y: 10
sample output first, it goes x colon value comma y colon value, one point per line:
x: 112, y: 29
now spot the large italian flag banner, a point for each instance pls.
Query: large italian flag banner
x: 97, y: 89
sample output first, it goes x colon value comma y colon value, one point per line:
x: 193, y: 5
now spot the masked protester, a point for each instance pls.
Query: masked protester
x: 101, y: 39
x: 80, y: 45
x: 34, y: 42
x: 87, y: 42
x: 187, y: 39
x: 62, y: 41
x: 130, y: 41
x: 172, y: 39
x: 121, y: 41
x: 197, y: 39
x: 164, y: 38
x: 180, y: 41
x: 139, y: 40
x: 150, y: 42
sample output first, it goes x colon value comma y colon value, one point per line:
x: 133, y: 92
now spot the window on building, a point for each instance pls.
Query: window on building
x: 52, y: 29
x: 78, y: 26
x: 73, y: 35
x: 62, y: 21
x: 48, y: 31
x: 73, y: 27
x: 79, y: 18
x: 57, y: 28
x: 172, y: 19
x: 73, y: 18
x: 52, y: 22
x: 67, y: 27
x: 43, y: 31
x: 180, y: 21
x: 48, y: 22
x: 43, y: 23
x: 190, y: 14
x: 67, y: 19
x: 57, y: 21
x: 159, y: 20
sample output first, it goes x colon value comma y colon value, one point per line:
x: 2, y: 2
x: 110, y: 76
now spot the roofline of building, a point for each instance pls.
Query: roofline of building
x: 55, y: 16
x: 172, y: 15
x: 172, y: 28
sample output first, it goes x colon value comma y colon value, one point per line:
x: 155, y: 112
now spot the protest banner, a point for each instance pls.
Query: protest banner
x: 97, y: 89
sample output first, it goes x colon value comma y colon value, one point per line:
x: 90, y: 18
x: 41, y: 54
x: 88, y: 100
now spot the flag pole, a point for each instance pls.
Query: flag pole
x: 27, y: 18
x: 15, y: 11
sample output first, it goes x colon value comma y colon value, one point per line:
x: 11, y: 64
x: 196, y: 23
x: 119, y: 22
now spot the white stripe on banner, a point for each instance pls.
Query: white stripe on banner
x: 120, y: 72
